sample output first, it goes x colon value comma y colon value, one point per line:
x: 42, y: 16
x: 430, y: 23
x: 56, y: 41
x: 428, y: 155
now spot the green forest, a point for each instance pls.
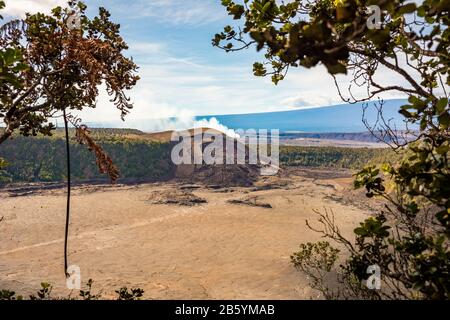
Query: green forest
x: 335, y: 157
x: 42, y: 159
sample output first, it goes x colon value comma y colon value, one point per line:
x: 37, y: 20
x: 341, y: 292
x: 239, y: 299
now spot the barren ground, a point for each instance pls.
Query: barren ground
x: 232, y: 247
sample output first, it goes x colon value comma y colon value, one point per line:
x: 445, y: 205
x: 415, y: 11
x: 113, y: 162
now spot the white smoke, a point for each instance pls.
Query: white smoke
x: 184, y: 121
x: 149, y: 115
x: 213, y: 123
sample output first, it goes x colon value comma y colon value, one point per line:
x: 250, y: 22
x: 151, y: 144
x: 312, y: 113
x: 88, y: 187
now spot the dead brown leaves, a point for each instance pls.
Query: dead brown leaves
x: 104, y: 162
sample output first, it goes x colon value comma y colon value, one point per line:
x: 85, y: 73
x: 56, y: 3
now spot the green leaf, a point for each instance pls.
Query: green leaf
x: 441, y: 105
x: 406, y: 113
x: 444, y: 120
x: 259, y: 70
x: 443, y: 149
x: 336, y: 68
x: 361, y: 232
x: 407, y: 8
x: 266, y: 7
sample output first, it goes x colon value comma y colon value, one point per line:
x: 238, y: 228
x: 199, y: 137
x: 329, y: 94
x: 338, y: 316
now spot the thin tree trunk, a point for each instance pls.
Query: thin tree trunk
x: 66, y: 237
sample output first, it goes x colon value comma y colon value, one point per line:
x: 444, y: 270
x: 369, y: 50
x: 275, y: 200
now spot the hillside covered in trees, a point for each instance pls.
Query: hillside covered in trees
x: 42, y: 159
x: 335, y: 157
x: 141, y: 156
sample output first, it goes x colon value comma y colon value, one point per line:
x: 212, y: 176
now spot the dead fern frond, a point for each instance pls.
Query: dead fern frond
x: 104, y: 162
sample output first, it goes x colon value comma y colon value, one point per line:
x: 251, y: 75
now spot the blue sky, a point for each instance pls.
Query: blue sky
x: 182, y: 74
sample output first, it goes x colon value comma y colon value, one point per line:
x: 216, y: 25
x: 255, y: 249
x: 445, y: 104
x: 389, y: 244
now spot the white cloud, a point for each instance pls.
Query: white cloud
x: 175, y: 12
x: 309, y: 99
x: 315, y: 87
x: 145, y: 48
x: 18, y: 8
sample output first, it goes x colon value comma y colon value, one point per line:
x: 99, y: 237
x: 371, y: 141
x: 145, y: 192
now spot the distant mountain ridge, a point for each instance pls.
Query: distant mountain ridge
x: 346, y: 118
